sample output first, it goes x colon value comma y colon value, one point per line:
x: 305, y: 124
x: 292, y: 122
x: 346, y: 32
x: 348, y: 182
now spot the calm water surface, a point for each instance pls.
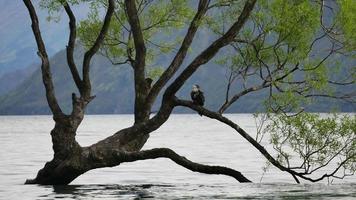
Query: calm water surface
x: 25, y: 146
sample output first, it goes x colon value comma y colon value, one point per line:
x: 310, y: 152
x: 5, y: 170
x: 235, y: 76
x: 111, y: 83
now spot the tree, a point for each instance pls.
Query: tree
x: 269, y: 41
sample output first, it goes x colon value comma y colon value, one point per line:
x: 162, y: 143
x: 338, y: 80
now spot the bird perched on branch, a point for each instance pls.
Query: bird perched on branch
x: 197, y: 96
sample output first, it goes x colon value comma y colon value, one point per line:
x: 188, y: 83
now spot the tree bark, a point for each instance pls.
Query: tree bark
x: 64, y: 167
x: 59, y: 172
x: 139, y: 64
x: 113, y: 158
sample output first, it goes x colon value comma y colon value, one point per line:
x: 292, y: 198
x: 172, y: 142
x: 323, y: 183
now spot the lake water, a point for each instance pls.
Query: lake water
x: 25, y: 146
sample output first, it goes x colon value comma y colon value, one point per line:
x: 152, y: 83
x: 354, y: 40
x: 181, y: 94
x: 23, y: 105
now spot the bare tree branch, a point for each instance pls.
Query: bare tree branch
x: 123, y: 156
x: 90, y: 53
x: 242, y: 93
x: 70, y: 47
x: 45, y: 66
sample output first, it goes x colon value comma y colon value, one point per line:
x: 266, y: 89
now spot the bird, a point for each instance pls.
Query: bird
x: 197, y: 96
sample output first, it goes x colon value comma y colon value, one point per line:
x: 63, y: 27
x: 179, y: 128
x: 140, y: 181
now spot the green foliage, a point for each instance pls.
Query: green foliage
x: 282, y: 27
x: 278, y: 30
x: 155, y: 73
x: 318, y: 77
x: 296, y: 21
x: 279, y: 36
x: 315, y: 139
x: 54, y: 6
x: 90, y: 29
x: 220, y: 18
x: 159, y: 21
x: 346, y: 20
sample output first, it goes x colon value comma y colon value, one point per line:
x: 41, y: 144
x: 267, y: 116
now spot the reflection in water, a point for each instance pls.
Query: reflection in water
x: 25, y: 149
x: 106, y: 191
x: 190, y: 191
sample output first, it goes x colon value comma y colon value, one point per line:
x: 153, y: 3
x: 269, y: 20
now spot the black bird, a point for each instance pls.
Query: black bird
x: 197, y: 96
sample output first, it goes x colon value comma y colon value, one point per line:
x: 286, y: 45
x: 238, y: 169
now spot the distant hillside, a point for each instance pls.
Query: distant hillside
x: 113, y: 86
x: 17, y: 45
x: 22, y: 91
x: 18, y: 58
x: 12, y: 79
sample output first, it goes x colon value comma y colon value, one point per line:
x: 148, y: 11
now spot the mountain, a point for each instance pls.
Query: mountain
x: 12, y: 79
x: 18, y: 58
x: 22, y: 91
x: 18, y: 49
x: 113, y: 87
x: 17, y: 46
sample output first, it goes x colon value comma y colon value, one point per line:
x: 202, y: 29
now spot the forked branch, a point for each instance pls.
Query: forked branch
x: 228, y: 103
x: 181, y: 54
x: 211, y: 51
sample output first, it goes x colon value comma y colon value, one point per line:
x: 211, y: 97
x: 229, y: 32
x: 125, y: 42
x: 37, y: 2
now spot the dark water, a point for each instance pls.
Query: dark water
x: 25, y: 146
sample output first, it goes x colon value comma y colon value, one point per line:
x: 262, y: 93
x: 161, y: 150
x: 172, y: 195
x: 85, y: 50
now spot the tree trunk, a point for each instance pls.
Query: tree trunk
x: 70, y: 160
x: 65, y: 165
